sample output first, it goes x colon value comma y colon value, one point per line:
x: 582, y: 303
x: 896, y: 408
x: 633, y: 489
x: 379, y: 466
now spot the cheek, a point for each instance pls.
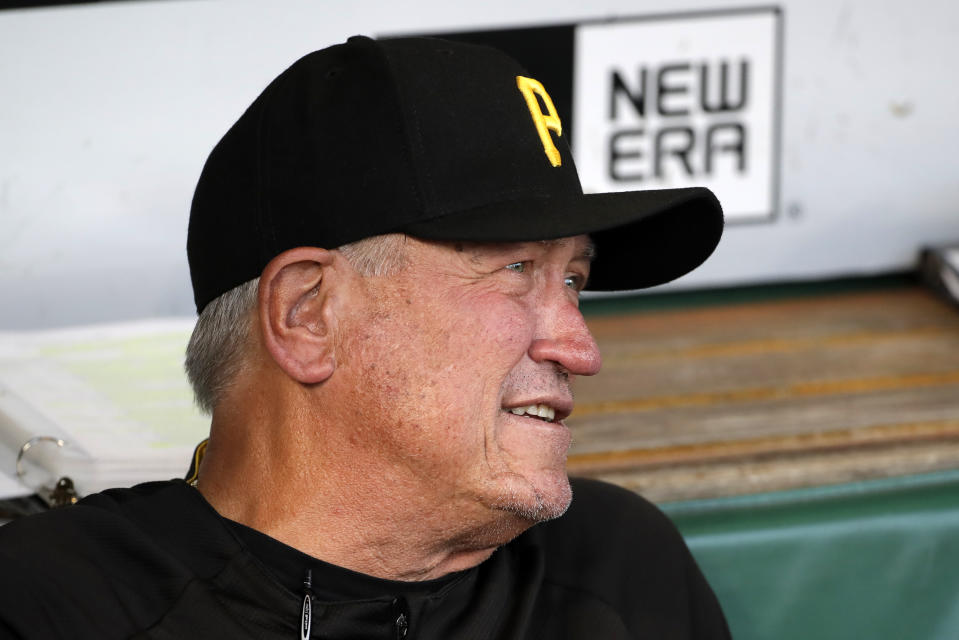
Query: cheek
x: 501, y: 327
x: 443, y: 355
x: 473, y: 333
x: 461, y: 360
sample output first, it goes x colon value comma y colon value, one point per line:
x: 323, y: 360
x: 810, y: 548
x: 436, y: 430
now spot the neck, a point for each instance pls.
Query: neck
x: 304, y: 483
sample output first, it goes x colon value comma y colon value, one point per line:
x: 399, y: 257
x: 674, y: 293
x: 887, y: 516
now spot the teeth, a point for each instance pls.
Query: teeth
x: 537, y: 410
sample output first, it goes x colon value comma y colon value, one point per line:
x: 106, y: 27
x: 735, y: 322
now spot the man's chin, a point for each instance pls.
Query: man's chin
x: 544, y: 498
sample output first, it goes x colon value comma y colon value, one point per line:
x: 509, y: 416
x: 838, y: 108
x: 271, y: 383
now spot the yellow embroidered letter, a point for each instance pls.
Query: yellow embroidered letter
x: 544, y: 121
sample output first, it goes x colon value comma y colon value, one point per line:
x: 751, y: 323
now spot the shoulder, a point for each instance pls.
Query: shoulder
x: 113, y: 559
x: 99, y: 523
x: 77, y: 524
x: 614, y: 551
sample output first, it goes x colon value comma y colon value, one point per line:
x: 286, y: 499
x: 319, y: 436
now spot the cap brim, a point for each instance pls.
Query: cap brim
x: 642, y: 238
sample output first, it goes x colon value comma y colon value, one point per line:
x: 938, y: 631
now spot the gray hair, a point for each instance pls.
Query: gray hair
x: 218, y: 347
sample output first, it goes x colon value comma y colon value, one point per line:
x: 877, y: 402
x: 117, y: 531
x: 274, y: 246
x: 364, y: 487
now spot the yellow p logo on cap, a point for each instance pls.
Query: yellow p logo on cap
x: 545, y: 122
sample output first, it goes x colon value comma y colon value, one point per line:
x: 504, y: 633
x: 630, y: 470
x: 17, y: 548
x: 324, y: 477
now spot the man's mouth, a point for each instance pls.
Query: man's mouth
x: 541, y: 411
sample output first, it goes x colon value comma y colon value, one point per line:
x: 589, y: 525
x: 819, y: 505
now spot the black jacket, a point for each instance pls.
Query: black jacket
x: 156, y: 561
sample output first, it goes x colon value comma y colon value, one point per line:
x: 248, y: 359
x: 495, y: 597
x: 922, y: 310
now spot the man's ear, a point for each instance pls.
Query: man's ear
x: 295, y: 313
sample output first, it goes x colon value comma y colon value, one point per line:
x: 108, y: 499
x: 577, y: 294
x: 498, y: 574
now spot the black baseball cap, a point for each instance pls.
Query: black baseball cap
x: 436, y: 139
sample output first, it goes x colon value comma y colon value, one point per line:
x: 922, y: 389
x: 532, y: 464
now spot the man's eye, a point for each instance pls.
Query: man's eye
x: 574, y: 282
x: 518, y: 267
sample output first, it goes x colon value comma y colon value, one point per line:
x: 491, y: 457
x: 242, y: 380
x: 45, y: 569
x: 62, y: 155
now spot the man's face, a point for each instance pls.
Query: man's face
x: 453, y: 356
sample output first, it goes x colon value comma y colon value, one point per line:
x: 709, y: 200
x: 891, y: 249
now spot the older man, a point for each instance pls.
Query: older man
x: 387, y: 252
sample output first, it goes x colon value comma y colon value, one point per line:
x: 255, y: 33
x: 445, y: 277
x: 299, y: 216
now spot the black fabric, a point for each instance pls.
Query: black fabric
x: 421, y: 136
x: 156, y: 561
x: 547, y: 51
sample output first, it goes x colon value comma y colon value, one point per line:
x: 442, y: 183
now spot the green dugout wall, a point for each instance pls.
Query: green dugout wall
x: 876, y: 560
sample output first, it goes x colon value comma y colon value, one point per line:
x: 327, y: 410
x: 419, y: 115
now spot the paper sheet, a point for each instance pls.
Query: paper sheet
x: 116, y: 393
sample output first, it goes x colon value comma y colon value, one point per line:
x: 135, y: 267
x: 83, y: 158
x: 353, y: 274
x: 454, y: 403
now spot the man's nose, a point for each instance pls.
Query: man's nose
x: 565, y: 339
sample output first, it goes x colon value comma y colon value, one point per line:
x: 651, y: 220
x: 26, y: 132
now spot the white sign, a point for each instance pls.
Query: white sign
x: 677, y: 102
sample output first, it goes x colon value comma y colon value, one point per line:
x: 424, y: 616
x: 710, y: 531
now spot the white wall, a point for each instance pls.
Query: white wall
x: 108, y: 112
